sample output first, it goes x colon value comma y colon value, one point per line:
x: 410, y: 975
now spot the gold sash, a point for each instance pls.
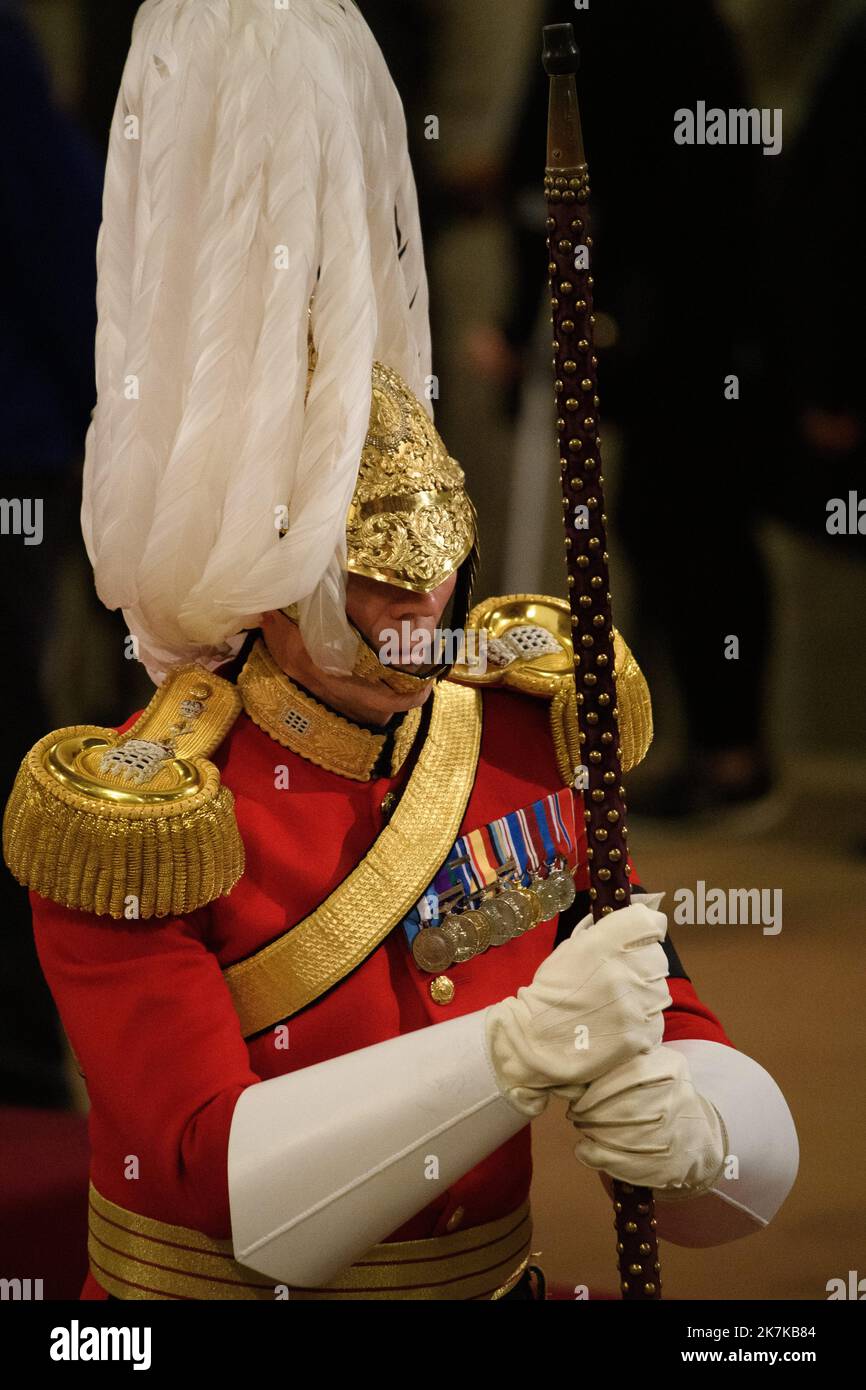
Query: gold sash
x: 318, y: 952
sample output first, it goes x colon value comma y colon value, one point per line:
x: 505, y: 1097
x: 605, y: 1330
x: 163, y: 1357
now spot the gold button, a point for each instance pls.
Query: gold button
x: 201, y: 692
x: 442, y: 989
x: 455, y: 1219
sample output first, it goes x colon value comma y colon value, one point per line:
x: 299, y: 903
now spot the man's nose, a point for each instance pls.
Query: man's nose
x: 411, y: 604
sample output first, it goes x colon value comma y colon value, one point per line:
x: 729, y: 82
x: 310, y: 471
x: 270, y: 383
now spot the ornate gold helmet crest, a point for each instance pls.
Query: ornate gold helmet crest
x: 411, y: 522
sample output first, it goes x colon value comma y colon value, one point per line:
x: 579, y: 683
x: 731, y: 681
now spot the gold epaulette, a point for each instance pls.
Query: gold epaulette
x: 523, y: 641
x: 131, y: 825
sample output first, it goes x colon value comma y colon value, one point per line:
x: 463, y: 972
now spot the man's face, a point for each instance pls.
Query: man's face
x: 378, y: 610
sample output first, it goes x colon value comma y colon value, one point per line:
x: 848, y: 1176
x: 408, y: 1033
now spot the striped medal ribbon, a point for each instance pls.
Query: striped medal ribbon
x: 497, y: 882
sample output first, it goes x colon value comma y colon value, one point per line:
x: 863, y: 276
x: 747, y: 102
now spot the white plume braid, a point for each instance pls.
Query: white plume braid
x: 257, y: 158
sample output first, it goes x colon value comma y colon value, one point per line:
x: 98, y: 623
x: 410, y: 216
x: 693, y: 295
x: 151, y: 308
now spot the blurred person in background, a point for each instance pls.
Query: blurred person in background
x: 700, y: 258
x: 813, y: 276
x: 674, y: 238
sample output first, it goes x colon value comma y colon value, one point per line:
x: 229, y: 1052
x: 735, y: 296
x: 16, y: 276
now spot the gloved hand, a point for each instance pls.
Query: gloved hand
x: 594, y: 1003
x: 645, y: 1123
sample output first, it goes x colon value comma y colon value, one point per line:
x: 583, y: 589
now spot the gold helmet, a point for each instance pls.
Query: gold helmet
x: 410, y: 522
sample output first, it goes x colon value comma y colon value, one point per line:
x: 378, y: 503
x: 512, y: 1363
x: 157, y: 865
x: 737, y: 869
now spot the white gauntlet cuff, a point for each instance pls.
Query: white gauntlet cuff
x: 327, y: 1161
x: 761, y: 1150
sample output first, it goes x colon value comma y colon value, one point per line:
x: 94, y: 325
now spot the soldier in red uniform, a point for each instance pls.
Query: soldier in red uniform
x: 316, y: 920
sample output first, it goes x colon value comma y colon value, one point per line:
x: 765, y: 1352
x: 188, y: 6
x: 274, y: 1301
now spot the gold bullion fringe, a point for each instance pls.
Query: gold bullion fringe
x: 97, y: 855
x: 135, y: 1257
x: 564, y: 730
x: 634, y: 704
x: 635, y: 717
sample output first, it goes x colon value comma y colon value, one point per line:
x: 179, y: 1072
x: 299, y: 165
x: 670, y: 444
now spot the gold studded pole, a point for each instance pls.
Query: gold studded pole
x: 569, y: 242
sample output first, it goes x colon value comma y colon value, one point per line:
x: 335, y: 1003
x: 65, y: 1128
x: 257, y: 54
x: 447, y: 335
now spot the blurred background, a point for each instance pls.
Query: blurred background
x: 709, y: 262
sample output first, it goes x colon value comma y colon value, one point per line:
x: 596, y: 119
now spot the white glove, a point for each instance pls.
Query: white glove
x: 595, y: 1002
x: 645, y: 1123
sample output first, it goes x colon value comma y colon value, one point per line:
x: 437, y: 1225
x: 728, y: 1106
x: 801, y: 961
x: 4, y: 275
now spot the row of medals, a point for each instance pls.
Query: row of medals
x: 506, y: 913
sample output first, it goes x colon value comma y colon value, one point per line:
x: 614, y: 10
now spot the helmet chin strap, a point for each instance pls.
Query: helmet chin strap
x: 368, y: 665
x: 370, y: 668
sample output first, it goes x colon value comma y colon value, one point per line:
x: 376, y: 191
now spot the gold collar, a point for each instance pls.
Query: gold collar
x: 297, y: 721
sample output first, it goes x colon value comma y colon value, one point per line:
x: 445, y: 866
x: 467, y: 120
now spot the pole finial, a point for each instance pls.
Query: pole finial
x: 560, y: 53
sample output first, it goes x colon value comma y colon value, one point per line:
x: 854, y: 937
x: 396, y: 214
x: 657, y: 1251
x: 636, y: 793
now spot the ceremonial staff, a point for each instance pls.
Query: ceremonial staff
x: 569, y: 241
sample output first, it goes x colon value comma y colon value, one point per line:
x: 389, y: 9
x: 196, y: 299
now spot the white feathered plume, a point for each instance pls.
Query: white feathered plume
x: 257, y: 158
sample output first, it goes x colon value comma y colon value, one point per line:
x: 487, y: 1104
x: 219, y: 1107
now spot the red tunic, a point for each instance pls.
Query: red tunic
x: 152, y: 1023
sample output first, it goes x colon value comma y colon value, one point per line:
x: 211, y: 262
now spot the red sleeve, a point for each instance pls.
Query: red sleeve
x: 151, y: 1022
x: 687, y: 1017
